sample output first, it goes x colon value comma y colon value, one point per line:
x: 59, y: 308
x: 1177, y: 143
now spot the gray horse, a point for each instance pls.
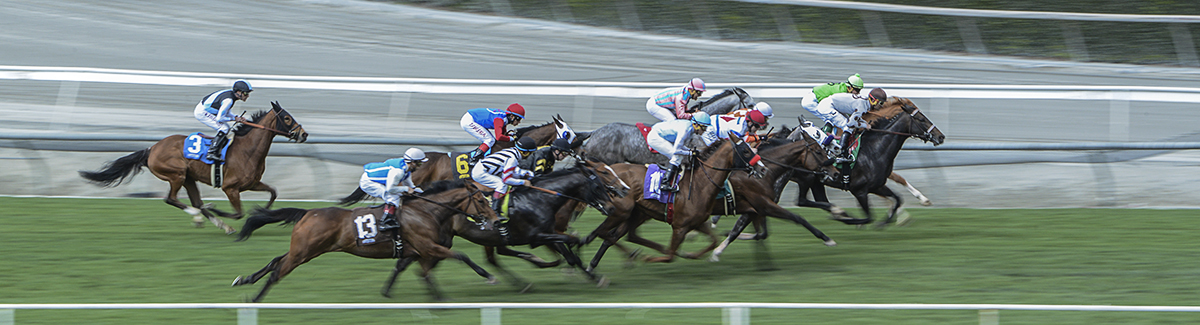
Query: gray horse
x: 622, y: 142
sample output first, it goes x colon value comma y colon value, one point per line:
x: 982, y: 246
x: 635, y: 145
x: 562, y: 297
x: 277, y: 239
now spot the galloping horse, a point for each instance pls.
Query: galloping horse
x: 532, y: 214
x: 895, y: 121
x: 245, y: 162
x: 694, y: 201
x: 449, y: 165
x: 622, y: 142
x: 424, y: 232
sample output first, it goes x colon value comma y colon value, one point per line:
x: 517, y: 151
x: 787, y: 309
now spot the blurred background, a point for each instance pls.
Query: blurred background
x: 78, y: 78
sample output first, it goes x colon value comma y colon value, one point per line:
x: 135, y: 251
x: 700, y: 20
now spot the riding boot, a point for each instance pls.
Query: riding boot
x: 214, y: 150
x: 498, y: 205
x: 477, y: 154
x: 389, y: 218
x: 668, y: 181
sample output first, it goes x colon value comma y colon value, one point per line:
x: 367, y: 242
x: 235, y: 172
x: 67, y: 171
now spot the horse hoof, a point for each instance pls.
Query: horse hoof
x: 492, y: 280
x: 603, y: 283
x: 746, y: 236
x: 230, y: 231
x: 830, y: 243
x: 714, y: 258
x: 926, y: 202
x: 236, y: 281
x: 198, y: 224
x: 527, y: 288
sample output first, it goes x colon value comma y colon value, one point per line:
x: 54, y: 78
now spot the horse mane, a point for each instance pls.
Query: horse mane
x: 254, y: 118
x: 442, y: 186
x: 522, y: 130
x: 890, y: 108
x: 711, y: 149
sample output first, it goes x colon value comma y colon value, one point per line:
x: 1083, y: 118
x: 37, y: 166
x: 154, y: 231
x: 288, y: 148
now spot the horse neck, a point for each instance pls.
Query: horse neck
x: 454, y: 198
x: 883, y: 147
x: 721, y: 160
x: 790, y: 155
x: 259, y: 140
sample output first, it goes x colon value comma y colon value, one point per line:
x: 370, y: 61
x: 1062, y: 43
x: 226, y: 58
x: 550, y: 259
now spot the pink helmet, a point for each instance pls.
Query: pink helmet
x: 757, y: 117
x: 696, y: 84
x: 517, y: 109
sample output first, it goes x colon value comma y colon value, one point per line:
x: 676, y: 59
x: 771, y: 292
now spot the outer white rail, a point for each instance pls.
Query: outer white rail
x: 733, y: 312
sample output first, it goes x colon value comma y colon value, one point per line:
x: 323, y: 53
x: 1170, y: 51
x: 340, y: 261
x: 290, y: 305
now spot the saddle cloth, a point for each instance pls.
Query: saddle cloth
x: 462, y: 164
x: 195, y: 147
x: 645, y: 129
x: 653, y: 180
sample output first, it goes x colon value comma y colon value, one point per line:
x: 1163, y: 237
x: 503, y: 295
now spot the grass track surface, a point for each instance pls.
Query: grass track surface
x: 143, y: 251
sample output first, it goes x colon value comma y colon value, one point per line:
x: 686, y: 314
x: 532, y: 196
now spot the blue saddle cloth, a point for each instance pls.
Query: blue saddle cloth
x: 196, y: 145
x: 652, y: 183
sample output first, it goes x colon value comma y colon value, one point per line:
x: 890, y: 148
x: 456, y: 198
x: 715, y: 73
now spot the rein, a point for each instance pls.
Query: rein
x: 447, y: 206
x: 260, y: 126
x: 556, y: 193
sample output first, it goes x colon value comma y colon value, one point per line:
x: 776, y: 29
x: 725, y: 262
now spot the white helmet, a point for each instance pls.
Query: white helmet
x: 764, y: 108
x: 414, y: 154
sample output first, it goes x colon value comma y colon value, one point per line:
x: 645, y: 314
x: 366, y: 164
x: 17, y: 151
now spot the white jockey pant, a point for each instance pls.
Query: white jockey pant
x: 664, y: 147
x: 209, y: 119
x: 480, y: 174
x: 478, y: 131
x: 659, y: 112
x: 827, y: 114
x: 375, y: 189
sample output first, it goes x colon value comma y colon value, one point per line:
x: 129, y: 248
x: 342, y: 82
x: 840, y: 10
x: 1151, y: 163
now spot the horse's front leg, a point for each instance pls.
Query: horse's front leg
x: 886, y: 192
x: 713, y: 241
x: 917, y: 193
x: 401, y: 265
x: 738, y: 227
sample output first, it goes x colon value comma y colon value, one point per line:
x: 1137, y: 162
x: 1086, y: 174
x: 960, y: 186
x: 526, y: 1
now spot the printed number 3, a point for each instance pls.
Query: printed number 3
x: 195, y: 142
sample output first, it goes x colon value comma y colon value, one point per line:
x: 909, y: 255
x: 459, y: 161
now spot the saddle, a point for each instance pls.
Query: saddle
x: 645, y: 129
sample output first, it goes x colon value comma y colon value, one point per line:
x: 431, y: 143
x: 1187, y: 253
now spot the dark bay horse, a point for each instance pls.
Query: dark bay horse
x: 622, y: 142
x: 424, y: 231
x: 449, y: 165
x: 693, y: 204
x: 245, y: 162
x: 891, y: 124
x: 532, y: 214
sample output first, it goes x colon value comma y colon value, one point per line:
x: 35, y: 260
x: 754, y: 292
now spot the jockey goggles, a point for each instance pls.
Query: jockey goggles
x: 694, y: 93
x: 874, y: 101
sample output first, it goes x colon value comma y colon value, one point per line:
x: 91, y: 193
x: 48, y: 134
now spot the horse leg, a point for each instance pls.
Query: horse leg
x: 678, y: 234
x: 198, y: 209
x: 886, y: 192
x: 574, y: 260
x: 865, y: 204
x: 253, y: 278
x: 261, y: 187
x: 235, y: 200
x: 738, y: 227
x: 427, y: 264
x: 768, y: 208
x: 713, y: 241
x: 921, y: 197
x: 490, y: 253
x: 401, y: 265
x: 193, y: 194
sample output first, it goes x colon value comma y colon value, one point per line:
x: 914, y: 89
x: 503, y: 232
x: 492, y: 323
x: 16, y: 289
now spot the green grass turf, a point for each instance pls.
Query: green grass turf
x: 143, y: 251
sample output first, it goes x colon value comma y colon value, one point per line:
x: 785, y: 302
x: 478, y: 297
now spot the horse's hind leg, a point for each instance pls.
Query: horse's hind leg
x: 490, y: 253
x: 262, y: 187
x: 401, y: 265
x: 427, y: 264
x: 529, y: 257
x: 924, y: 200
x: 199, y: 209
x: 253, y: 278
x: 738, y: 227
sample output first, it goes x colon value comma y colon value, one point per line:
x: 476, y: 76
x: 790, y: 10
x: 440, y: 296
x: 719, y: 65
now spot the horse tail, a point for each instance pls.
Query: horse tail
x: 353, y: 198
x: 116, y: 171
x: 263, y: 216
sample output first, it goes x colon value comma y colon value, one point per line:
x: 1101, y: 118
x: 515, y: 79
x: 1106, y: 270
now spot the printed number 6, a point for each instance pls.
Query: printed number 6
x: 460, y: 163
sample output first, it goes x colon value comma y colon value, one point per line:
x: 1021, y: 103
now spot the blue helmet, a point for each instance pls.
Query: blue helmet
x: 242, y: 86
x: 701, y: 118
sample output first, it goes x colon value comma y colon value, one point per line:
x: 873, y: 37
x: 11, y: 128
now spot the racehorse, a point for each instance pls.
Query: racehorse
x: 532, y: 214
x: 622, y: 142
x: 245, y: 162
x: 891, y: 124
x: 693, y: 203
x: 424, y: 232
x: 756, y: 197
x: 450, y: 165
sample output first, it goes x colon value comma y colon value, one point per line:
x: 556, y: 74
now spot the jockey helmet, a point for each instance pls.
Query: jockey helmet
x: 701, y: 118
x: 526, y: 144
x: 517, y: 109
x: 561, y: 144
x: 765, y: 109
x: 696, y: 84
x: 242, y: 86
x: 855, y: 82
x: 877, y: 96
x: 757, y: 117
x: 414, y: 154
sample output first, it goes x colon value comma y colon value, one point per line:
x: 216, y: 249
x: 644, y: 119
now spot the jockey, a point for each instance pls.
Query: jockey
x: 853, y: 85
x: 388, y: 180
x: 542, y: 161
x: 500, y: 169
x: 671, y: 103
x: 765, y: 109
x: 478, y: 121
x: 216, y: 110
x: 740, y: 122
x: 670, y: 139
x: 838, y: 107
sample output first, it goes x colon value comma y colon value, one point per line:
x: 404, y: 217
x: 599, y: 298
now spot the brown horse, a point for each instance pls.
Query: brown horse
x: 424, y: 233
x: 451, y: 165
x: 693, y: 203
x: 245, y: 162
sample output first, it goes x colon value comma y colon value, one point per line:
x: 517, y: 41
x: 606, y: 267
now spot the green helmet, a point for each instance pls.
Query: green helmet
x: 855, y: 81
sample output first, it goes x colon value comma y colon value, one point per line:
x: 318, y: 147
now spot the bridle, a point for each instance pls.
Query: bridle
x: 737, y: 153
x: 809, y: 143
x: 926, y: 136
x: 291, y: 133
x: 478, y: 220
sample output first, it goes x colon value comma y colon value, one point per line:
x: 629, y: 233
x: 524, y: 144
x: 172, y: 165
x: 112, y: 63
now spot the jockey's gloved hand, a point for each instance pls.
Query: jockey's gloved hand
x: 398, y: 190
x: 683, y: 153
x: 511, y: 133
x: 418, y: 190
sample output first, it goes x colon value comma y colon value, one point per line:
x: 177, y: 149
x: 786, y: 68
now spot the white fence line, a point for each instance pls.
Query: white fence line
x: 583, y: 88
x: 733, y: 312
x: 983, y: 13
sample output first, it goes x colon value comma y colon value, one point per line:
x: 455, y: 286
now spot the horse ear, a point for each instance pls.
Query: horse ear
x: 275, y: 105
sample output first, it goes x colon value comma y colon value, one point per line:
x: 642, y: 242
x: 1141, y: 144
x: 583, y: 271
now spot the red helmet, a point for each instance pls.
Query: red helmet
x: 517, y: 109
x: 757, y: 117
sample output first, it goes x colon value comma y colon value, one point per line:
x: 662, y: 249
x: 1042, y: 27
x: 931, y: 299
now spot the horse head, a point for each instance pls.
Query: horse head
x: 606, y: 175
x: 727, y: 101
x: 562, y: 130
x: 746, y: 157
x: 899, y: 115
x: 285, y: 121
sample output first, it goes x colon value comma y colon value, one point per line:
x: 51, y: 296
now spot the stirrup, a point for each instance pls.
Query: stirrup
x: 214, y: 157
